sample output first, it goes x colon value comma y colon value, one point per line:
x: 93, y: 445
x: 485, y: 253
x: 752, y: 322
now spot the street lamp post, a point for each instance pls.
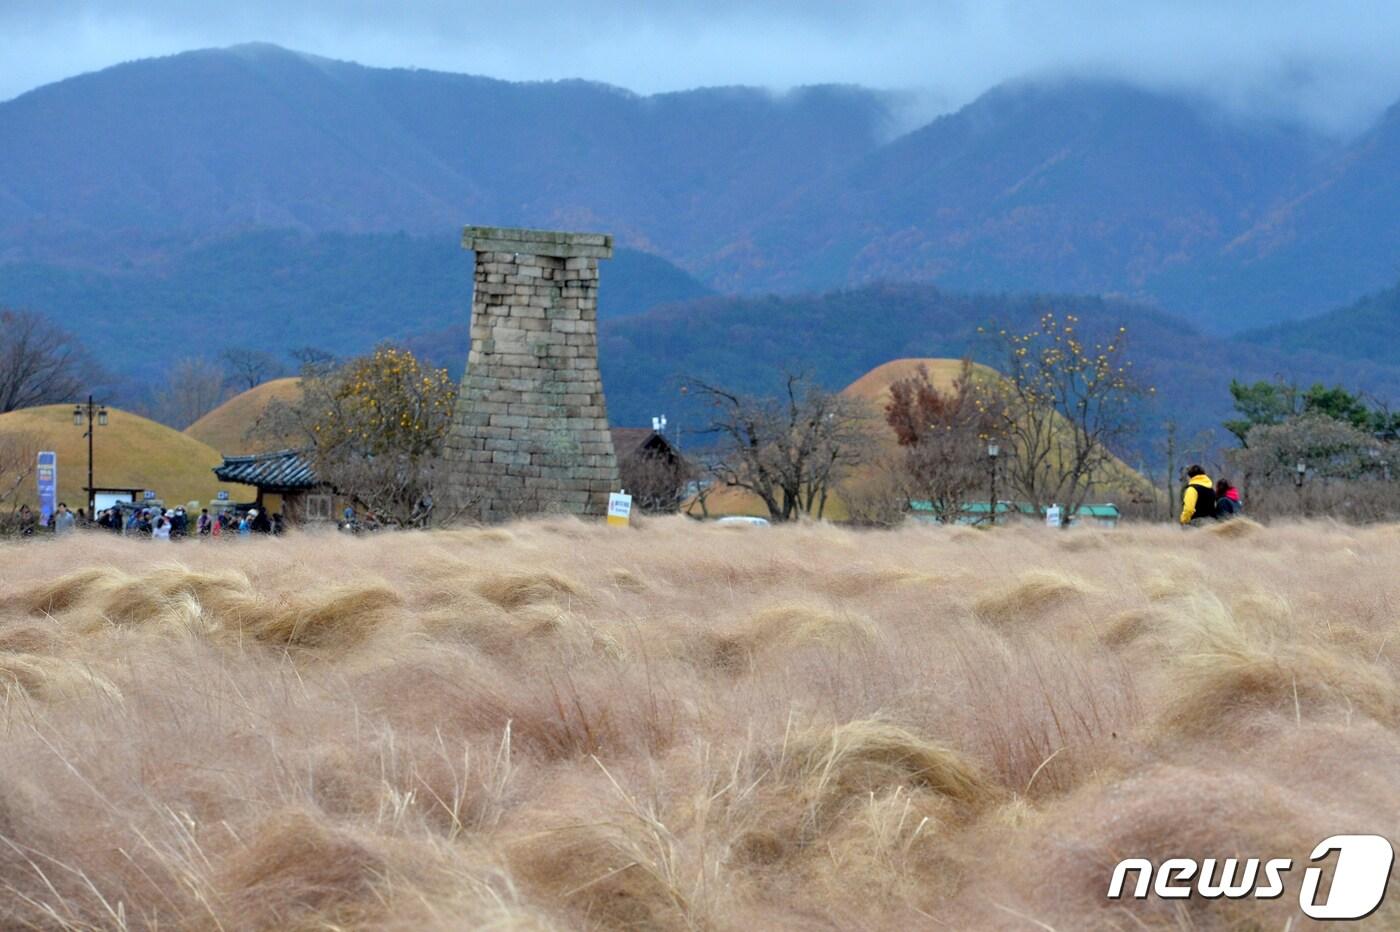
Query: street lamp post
x: 993, y: 451
x: 94, y: 413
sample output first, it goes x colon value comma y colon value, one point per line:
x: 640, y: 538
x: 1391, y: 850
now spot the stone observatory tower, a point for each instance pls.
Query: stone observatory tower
x: 530, y: 431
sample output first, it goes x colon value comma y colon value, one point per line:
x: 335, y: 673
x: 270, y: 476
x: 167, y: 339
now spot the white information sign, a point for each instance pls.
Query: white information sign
x: 619, y: 508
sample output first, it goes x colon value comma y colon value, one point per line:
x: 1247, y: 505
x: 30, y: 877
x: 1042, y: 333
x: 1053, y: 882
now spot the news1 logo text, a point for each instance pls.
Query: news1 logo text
x: 1360, y: 874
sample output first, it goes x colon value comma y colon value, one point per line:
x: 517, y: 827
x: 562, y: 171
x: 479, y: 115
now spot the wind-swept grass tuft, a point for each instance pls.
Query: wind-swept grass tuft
x: 517, y: 590
x: 1031, y: 595
x: 867, y: 757
x: 1234, y: 529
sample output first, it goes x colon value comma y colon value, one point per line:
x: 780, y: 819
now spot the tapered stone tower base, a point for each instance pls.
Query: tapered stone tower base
x: 530, y: 431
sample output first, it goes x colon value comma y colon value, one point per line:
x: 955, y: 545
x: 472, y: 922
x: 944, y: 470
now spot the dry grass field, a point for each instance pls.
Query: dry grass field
x: 560, y: 725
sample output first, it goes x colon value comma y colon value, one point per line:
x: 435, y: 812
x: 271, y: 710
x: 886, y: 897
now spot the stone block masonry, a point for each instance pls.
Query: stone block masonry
x: 530, y: 432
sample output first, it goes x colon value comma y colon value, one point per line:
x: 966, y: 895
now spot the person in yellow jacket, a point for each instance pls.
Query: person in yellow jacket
x: 1198, y: 499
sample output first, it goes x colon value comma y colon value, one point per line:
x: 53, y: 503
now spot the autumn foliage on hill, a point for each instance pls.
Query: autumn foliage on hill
x: 681, y: 726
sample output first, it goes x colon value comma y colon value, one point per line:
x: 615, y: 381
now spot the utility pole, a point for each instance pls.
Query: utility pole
x: 685, y: 391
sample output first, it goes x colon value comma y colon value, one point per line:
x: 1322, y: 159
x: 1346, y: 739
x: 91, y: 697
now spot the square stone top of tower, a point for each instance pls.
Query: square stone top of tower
x: 538, y: 242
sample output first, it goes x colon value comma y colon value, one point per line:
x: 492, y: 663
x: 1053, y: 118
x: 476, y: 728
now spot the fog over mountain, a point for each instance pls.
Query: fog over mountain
x: 1330, y: 63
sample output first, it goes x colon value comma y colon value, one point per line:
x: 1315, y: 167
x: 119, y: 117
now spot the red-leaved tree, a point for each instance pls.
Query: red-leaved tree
x: 942, y: 435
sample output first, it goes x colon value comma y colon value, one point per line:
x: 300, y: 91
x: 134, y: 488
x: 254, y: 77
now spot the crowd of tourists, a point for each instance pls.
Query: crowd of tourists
x: 171, y: 524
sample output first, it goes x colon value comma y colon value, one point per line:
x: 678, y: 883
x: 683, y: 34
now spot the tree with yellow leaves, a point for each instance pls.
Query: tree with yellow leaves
x: 375, y: 425
x: 1062, y: 402
x: 384, y: 404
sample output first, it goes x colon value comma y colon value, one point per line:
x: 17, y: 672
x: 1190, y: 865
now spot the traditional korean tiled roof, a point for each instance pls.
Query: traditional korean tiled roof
x: 629, y: 441
x: 283, y: 469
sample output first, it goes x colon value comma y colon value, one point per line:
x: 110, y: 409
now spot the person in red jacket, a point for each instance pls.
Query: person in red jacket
x: 1227, y: 500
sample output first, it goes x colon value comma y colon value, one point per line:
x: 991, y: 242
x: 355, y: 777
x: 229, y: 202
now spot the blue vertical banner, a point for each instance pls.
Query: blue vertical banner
x: 47, y: 474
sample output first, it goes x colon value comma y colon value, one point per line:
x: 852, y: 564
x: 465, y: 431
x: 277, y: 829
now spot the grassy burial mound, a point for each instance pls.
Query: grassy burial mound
x: 874, y: 386
x: 681, y: 726
x: 1123, y: 483
x: 130, y: 452
x: 231, y: 427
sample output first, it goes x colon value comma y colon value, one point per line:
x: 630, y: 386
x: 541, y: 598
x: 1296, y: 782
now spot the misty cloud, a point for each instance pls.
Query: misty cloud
x: 1331, y: 63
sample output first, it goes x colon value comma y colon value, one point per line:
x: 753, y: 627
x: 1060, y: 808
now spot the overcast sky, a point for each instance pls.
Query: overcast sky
x: 1334, y: 63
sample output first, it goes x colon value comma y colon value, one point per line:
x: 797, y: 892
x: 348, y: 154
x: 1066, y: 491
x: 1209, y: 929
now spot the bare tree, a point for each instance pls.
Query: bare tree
x: 790, y: 451
x: 40, y: 363
x: 1060, y: 406
x: 193, y: 388
x: 313, y: 359
x: 247, y: 368
x: 655, y: 480
x: 18, y: 459
x: 704, y: 465
x: 881, y: 495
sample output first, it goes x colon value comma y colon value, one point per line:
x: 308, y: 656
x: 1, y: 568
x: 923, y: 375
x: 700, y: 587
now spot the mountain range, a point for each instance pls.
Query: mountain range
x: 257, y: 196
x: 1080, y: 185
x: 257, y: 136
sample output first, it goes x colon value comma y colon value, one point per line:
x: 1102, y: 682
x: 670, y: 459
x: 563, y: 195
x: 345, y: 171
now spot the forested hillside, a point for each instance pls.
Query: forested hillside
x: 837, y: 336
x: 1367, y: 330
x: 1089, y: 187
x: 280, y: 290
